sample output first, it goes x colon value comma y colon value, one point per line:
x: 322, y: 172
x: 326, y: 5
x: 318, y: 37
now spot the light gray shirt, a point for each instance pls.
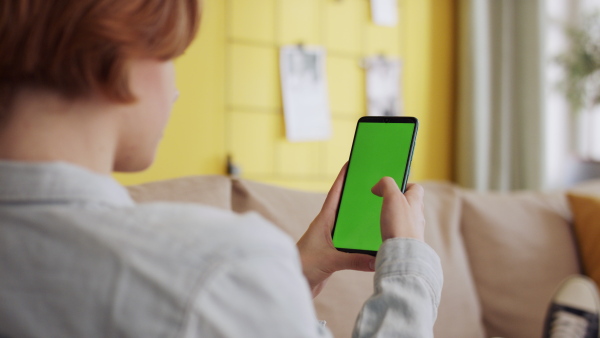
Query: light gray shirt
x: 78, y: 258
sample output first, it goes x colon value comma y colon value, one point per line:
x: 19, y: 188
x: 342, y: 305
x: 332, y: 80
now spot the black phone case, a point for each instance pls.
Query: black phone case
x: 378, y: 119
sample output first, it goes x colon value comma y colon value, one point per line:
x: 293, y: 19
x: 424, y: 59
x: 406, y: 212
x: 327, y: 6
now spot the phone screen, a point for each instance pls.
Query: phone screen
x: 382, y: 146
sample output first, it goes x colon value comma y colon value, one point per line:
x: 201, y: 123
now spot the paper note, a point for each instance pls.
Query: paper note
x: 383, y: 86
x: 385, y: 12
x: 304, y: 90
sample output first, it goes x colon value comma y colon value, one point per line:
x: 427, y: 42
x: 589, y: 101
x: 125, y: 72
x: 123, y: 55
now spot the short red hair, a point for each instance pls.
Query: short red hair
x: 76, y: 47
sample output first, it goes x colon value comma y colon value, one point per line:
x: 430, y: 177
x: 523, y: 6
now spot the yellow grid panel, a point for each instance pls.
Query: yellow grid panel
x: 343, y: 25
x: 346, y: 82
x: 293, y: 16
x: 230, y: 87
x: 297, y: 158
x: 252, y: 138
x: 252, y: 20
x: 254, y: 77
x: 337, y: 151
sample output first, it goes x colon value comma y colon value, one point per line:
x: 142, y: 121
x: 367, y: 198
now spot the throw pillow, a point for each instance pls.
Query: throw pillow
x: 521, y: 247
x: 586, y: 223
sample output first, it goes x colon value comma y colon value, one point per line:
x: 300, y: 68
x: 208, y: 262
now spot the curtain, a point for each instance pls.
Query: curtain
x: 500, y: 110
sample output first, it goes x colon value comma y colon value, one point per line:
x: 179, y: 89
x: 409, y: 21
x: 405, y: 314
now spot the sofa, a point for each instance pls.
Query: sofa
x: 503, y: 254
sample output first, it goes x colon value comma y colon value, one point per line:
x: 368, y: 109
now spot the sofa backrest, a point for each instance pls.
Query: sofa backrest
x: 213, y: 190
x: 502, y: 254
x: 346, y: 291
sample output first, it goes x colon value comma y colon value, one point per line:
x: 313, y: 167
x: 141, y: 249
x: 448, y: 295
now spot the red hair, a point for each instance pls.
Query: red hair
x: 77, y: 47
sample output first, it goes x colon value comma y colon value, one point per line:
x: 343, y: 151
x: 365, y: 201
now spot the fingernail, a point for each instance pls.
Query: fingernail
x: 372, y: 265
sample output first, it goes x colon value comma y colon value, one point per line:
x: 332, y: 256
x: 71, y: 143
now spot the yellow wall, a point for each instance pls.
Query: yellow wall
x: 231, y: 100
x: 429, y: 83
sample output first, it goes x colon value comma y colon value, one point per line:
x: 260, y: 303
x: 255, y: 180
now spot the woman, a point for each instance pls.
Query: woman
x: 86, y: 87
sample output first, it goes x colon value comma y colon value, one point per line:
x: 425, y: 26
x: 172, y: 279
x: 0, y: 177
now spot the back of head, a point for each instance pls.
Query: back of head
x: 79, y: 47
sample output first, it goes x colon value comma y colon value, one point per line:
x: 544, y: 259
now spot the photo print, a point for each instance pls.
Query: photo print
x: 383, y: 86
x: 304, y: 91
x: 384, y: 12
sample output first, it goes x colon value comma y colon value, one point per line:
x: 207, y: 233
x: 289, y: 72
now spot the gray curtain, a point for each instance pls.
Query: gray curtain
x: 500, y: 112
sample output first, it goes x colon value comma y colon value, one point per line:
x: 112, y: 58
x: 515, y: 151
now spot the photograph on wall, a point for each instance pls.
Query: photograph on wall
x: 383, y: 86
x: 384, y: 12
x: 304, y: 91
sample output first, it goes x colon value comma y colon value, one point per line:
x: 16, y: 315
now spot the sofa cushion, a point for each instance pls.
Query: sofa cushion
x: 339, y: 303
x: 459, y: 313
x: 209, y: 190
x: 521, y: 247
x: 586, y: 222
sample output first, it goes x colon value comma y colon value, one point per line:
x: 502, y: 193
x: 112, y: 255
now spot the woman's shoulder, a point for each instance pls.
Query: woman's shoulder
x: 214, y: 230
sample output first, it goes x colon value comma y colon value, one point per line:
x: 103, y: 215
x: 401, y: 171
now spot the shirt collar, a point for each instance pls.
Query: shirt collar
x: 58, y: 182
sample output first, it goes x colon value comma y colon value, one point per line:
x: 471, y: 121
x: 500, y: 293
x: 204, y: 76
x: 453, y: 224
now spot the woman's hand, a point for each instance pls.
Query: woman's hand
x: 319, y: 258
x: 401, y: 214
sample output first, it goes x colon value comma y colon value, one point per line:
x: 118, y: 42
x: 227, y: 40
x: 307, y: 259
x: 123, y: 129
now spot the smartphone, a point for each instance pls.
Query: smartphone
x: 382, y: 146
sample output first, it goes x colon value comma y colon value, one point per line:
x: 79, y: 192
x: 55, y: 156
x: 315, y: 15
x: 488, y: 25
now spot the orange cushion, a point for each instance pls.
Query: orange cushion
x: 586, y: 222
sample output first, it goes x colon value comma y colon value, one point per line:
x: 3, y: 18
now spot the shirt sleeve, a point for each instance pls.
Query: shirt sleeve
x: 266, y: 295
x: 263, y: 295
x: 408, y: 284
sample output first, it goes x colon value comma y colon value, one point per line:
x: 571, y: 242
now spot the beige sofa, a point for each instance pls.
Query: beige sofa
x: 502, y: 254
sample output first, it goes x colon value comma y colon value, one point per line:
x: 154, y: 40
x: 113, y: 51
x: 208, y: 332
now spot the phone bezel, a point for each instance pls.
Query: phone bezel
x: 377, y: 119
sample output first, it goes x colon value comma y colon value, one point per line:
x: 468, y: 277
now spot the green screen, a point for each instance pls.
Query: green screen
x: 379, y: 149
